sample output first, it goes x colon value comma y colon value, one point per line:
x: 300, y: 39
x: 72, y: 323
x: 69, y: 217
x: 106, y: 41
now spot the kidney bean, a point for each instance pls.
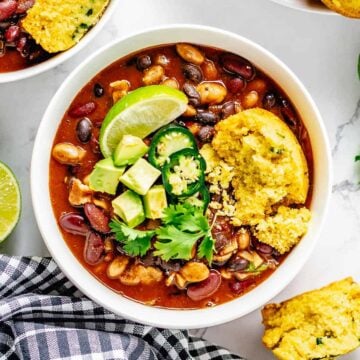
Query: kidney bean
x: 82, y: 109
x: 239, y: 287
x: 98, y: 90
x: 97, y: 218
x: 94, y: 248
x: 206, y: 133
x: 143, y: 62
x: 193, y: 73
x: 12, y: 33
x: 269, y: 100
x: 205, y: 288
x: 23, y: 46
x: 237, y: 264
x: 207, y: 117
x: 7, y: 8
x: 24, y: 5
x: 74, y: 223
x: 236, y: 84
x: 234, y: 64
x: 83, y: 130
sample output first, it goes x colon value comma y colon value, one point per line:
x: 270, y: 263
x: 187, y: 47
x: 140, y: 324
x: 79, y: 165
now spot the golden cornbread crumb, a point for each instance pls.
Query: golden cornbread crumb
x: 283, y: 230
x: 59, y: 25
x: 319, y: 324
x: 268, y: 163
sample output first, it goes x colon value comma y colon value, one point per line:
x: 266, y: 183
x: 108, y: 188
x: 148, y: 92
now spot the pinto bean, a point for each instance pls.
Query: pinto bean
x: 171, y: 82
x: 74, y: 223
x: 97, y: 218
x: 153, y: 75
x: 117, y: 266
x: 161, y: 59
x: 243, y: 239
x: 190, y: 53
x: 205, y: 288
x: 82, y: 109
x: 94, y: 247
x: 194, y: 272
x: 209, y: 70
x: 250, y: 99
x: 190, y: 111
x: 68, y: 154
x: 211, y: 92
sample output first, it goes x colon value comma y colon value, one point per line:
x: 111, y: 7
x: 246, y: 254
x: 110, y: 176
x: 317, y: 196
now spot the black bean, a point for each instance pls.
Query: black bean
x: 143, y: 62
x: 238, y: 264
x: 206, y: 133
x: 269, y: 100
x: 190, y: 90
x: 193, y: 73
x: 207, y: 117
x: 264, y: 248
x: 288, y: 113
x: 83, y: 130
x: 234, y: 64
x: 98, y: 90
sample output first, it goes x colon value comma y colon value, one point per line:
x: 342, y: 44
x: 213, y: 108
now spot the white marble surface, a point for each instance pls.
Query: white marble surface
x: 321, y: 50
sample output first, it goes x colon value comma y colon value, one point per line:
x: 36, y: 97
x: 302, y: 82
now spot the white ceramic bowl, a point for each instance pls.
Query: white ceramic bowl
x: 40, y: 177
x: 63, y: 56
x: 312, y: 6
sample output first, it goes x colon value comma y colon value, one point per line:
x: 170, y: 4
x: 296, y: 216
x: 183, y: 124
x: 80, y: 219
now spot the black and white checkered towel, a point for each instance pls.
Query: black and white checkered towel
x: 43, y: 316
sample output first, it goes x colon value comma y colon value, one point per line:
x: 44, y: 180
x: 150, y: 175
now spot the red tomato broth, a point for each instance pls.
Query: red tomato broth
x: 125, y: 68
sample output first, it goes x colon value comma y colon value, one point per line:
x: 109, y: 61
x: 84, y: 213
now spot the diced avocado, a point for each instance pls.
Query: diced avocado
x: 129, y: 207
x: 155, y: 202
x: 105, y: 176
x: 130, y: 149
x: 140, y: 177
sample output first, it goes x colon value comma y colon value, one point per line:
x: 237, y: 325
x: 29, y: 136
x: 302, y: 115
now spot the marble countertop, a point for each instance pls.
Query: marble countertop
x: 321, y: 50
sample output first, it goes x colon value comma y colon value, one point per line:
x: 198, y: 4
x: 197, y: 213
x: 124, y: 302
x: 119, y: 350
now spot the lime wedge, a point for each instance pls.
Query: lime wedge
x: 140, y: 113
x: 10, y: 201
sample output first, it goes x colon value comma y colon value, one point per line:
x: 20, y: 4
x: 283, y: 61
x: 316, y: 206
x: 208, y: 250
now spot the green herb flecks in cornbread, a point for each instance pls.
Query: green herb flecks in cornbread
x: 57, y: 26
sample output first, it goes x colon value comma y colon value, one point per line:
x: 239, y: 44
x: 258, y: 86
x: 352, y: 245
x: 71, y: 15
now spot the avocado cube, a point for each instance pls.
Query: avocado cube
x: 130, y: 149
x: 128, y: 206
x: 155, y: 202
x: 105, y: 176
x: 140, y: 177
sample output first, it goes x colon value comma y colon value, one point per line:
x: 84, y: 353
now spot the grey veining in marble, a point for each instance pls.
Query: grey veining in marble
x: 321, y: 50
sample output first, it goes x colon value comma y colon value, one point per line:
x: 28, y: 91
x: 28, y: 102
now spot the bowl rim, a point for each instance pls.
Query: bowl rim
x: 109, y: 299
x: 7, y: 77
x: 299, y: 5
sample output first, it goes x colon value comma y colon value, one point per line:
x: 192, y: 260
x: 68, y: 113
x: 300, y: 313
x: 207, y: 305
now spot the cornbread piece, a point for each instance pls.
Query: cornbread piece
x: 59, y: 25
x: 269, y: 164
x: 350, y: 8
x: 319, y: 324
x: 283, y: 230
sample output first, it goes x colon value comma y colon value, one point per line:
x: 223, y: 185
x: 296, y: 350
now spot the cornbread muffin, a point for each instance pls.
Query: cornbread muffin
x: 269, y: 164
x: 350, y: 8
x: 59, y: 25
x: 283, y: 230
x: 319, y: 324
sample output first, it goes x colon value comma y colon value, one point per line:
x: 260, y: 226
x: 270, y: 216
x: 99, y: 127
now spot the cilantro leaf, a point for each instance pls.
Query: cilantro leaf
x: 135, y: 242
x: 357, y: 158
x: 173, y: 243
x: 206, y: 248
x: 184, y: 225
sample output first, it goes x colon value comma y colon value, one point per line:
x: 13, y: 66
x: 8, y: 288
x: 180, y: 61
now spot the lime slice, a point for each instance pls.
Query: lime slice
x: 140, y: 113
x: 10, y: 201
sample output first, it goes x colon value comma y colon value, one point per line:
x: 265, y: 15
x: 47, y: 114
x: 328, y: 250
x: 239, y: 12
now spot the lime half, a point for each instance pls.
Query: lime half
x: 10, y: 201
x: 140, y: 113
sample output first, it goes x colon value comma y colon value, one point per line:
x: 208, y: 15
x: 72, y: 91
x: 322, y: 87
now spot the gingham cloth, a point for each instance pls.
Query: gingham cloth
x: 43, y: 316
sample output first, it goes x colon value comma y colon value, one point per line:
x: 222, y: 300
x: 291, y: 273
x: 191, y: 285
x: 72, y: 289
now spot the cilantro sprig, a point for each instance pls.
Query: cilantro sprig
x: 135, y: 242
x: 183, y: 225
